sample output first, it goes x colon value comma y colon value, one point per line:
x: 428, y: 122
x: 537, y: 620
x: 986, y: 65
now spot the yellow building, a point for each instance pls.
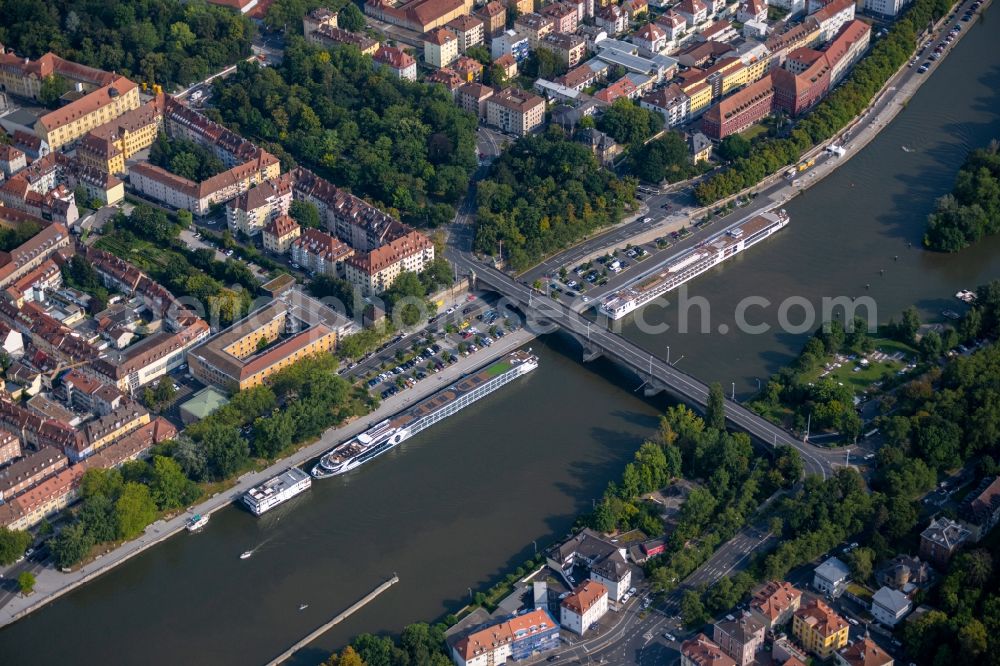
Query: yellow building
x: 700, y: 94
x: 70, y: 122
x: 819, y: 629
x: 743, y: 74
x: 24, y: 77
x: 110, y: 427
x: 279, y: 233
x: 265, y: 342
x: 522, y: 6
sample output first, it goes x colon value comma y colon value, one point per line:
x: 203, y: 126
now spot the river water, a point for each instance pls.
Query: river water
x: 848, y: 228
x: 461, y: 503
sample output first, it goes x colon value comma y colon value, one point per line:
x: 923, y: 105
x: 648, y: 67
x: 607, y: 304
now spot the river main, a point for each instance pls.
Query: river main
x: 460, y: 503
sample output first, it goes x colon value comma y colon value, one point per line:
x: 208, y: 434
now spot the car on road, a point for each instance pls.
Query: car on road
x: 647, y: 220
x: 555, y: 657
x: 670, y: 637
x: 449, y: 310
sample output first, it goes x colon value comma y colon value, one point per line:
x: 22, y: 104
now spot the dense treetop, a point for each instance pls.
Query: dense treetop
x: 158, y: 41
x: 403, y: 145
x: 972, y: 210
x: 544, y: 193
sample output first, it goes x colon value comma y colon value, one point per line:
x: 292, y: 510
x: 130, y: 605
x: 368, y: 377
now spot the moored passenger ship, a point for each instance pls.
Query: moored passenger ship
x: 276, y: 490
x: 694, y: 262
x: 389, y: 433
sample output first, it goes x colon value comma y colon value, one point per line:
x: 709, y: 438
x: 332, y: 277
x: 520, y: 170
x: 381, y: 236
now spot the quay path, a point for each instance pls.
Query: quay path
x: 52, y: 584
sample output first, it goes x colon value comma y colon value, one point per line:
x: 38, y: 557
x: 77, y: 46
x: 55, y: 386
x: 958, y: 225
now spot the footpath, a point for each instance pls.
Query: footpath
x: 52, y: 584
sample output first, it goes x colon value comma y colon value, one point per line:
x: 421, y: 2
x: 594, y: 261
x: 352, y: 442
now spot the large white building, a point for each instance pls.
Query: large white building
x: 586, y: 605
x: 889, y: 606
x: 375, y: 271
x: 831, y: 577
x: 250, y: 212
x: 613, y: 573
x: 670, y: 102
x: 515, y: 111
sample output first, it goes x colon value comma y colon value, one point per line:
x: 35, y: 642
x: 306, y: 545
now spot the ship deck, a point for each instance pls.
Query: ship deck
x: 708, y: 249
x: 463, y: 386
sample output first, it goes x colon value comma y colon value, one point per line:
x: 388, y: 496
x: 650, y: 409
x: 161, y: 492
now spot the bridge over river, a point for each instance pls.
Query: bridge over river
x: 545, y: 313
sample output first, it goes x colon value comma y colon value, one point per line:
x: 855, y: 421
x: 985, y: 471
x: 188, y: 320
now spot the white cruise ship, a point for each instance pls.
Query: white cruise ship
x: 694, y: 262
x: 274, y: 491
x: 389, y: 433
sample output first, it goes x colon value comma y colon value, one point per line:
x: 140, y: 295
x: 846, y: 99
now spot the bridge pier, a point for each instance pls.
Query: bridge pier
x: 651, y: 385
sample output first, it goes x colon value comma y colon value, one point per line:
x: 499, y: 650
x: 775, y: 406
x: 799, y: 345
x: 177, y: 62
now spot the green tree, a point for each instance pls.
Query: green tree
x: 12, y: 545
x: 693, y: 610
x: 629, y: 123
x: 862, y: 563
x: 164, y: 392
x: 663, y: 159
x: 733, y: 147
x: 169, y: 486
x: 351, y: 18
x: 71, y: 545
x: 715, y: 410
x: 134, y: 510
x: 53, y: 87
x: 26, y: 583
x: 305, y: 213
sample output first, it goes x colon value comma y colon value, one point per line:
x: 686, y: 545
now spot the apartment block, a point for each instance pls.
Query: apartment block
x: 741, y: 638
x: 569, y: 49
x: 515, y: 111
x: 470, y: 30
x: 440, y: 47
x: 472, y: 97
x: 564, y: 14
x: 700, y: 651
x: 775, y: 602
x: 375, y: 271
x: 670, y: 102
x: 515, y: 638
x: 534, y: 26
x: 319, y: 252
x: 266, y: 341
x: 251, y: 211
x: 68, y: 123
x: 819, y: 629
x: 584, y: 607
x: 279, y: 233
x: 396, y: 60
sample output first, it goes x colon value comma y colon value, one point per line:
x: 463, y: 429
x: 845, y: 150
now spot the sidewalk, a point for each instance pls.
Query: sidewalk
x: 51, y: 584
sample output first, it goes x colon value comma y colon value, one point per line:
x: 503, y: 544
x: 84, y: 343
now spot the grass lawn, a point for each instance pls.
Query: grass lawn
x: 753, y: 131
x: 864, y: 377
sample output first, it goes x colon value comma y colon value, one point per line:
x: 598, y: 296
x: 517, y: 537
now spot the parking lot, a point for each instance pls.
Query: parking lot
x: 459, y: 331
